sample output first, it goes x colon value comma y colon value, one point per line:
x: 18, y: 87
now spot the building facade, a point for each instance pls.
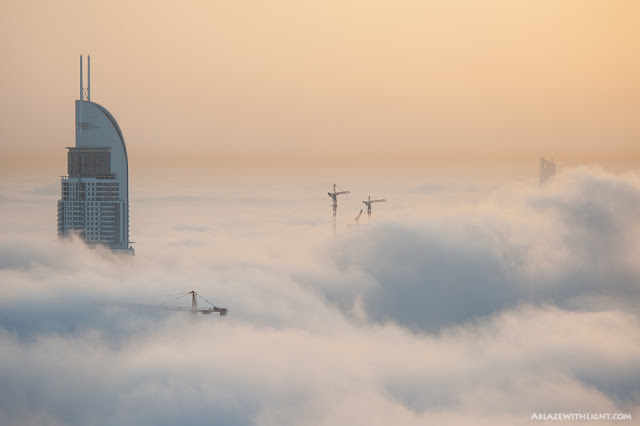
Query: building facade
x: 547, y: 169
x: 95, y: 192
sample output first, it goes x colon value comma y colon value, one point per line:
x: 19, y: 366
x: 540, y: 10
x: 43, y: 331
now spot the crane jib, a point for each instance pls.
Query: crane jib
x: 193, y: 308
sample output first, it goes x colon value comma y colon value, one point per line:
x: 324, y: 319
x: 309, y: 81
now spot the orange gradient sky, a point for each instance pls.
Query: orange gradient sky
x: 351, y: 81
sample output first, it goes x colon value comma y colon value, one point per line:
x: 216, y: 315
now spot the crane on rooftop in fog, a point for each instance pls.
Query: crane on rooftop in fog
x: 334, y: 196
x: 368, y: 202
x: 194, y: 309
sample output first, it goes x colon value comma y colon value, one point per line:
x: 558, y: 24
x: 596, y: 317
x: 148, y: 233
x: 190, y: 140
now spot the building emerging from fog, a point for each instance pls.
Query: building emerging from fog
x: 95, y: 193
x: 547, y: 169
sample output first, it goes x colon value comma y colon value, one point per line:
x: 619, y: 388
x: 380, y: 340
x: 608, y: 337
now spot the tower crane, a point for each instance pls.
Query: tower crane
x: 358, y: 217
x: 194, y: 309
x: 368, y: 202
x: 334, y: 196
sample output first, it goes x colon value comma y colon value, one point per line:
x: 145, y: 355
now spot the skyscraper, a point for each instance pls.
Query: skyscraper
x: 547, y: 169
x: 95, y: 193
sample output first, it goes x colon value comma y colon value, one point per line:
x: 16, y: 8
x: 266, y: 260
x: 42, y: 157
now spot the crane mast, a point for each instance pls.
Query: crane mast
x: 194, y: 304
x: 334, y: 197
x: 368, y: 202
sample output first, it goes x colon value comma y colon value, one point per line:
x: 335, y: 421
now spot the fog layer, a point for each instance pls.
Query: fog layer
x: 459, y: 303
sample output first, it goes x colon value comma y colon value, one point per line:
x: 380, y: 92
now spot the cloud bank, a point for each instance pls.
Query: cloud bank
x: 447, y: 311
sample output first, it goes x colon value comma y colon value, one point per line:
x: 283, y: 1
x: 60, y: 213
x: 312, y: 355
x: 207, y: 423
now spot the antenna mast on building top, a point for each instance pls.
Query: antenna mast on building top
x: 85, y: 94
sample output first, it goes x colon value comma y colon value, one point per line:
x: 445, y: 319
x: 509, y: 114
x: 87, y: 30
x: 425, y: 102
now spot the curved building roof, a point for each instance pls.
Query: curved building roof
x: 97, y: 128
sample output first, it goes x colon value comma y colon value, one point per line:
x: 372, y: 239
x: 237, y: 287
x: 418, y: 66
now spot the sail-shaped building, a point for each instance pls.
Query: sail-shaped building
x: 95, y: 193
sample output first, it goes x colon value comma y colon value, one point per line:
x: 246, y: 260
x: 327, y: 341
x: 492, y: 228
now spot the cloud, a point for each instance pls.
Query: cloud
x: 223, y: 372
x: 447, y: 312
x: 552, y: 244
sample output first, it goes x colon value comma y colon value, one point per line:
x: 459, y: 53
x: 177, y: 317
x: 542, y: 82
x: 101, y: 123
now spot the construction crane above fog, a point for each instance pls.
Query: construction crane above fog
x: 357, y: 218
x: 368, y: 202
x: 334, y: 196
x: 194, y: 309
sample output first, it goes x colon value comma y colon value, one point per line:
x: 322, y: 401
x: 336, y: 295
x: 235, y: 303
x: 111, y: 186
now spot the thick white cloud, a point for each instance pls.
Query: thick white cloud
x: 449, y: 309
x: 556, y: 244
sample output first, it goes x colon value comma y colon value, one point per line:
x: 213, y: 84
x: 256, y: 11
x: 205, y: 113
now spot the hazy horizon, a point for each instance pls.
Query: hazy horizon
x: 339, y: 81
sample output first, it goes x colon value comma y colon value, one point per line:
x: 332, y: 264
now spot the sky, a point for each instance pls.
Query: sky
x: 473, y: 295
x: 333, y: 82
